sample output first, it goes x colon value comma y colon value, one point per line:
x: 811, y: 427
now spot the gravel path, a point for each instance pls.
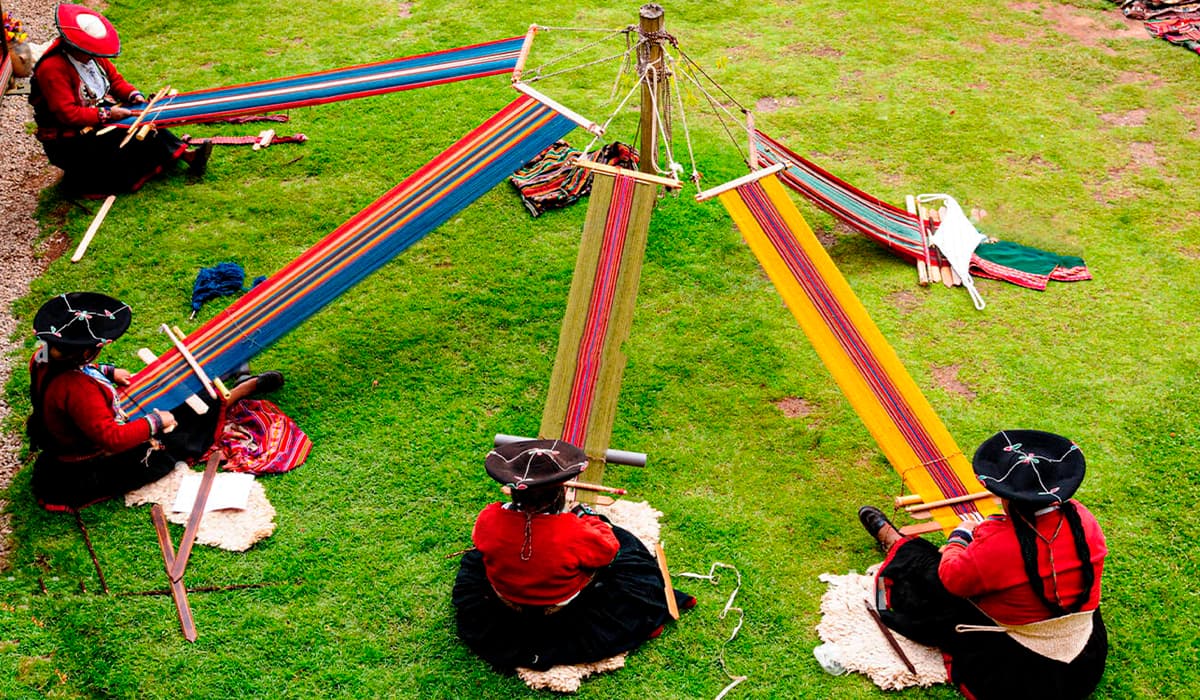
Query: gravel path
x: 23, y: 173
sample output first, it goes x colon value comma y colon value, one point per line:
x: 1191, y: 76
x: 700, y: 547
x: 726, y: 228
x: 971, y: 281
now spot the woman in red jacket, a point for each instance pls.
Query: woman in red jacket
x: 1013, y: 601
x: 75, y: 91
x: 545, y: 586
x: 89, y: 450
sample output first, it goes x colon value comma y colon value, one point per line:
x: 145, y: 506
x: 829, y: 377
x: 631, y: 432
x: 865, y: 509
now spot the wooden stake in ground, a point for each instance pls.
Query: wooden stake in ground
x: 672, y: 606
x: 95, y: 226
x: 654, y: 85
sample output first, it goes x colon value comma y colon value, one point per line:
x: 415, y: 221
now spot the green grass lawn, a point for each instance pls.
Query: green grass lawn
x: 1078, y: 147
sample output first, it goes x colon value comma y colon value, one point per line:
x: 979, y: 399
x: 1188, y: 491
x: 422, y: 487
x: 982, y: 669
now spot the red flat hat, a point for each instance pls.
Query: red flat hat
x: 87, y: 30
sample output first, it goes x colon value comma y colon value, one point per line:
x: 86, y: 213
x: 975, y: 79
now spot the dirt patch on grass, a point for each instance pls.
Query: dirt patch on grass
x: 794, y: 407
x: 905, y: 300
x: 1143, y: 155
x: 1134, y: 117
x: 818, y: 51
x: 404, y: 10
x: 1087, y: 29
x: 1033, y: 166
x: 1129, y: 77
x: 1002, y: 40
x: 771, y: 104
x: 1193, y: 115
x: 947, y: 378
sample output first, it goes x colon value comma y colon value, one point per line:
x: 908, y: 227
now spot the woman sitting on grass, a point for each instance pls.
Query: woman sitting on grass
x: 89, y: 450
x: 76, y: 91
x: 1014, y: 603
x: 545, y: 586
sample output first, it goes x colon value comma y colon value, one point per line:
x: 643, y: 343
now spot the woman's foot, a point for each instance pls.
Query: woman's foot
x: 252, y: 385
x: 878, y: 526
x: 268, y: 381
x: 197, y: 160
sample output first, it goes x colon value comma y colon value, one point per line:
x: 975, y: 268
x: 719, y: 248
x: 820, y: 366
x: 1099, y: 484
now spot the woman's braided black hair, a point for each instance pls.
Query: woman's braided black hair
x: 1027, y: 538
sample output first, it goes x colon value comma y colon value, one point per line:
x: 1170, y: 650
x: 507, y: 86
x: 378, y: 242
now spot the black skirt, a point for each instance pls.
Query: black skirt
x: 623, y: 605
x: 984, y: 665
x: 95, y: 165
x: 62, y: 485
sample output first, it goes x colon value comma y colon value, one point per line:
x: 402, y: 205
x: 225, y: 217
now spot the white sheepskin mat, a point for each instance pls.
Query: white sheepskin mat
x: 234, y: 530
x: 641, y: 520
x: 853, y: 639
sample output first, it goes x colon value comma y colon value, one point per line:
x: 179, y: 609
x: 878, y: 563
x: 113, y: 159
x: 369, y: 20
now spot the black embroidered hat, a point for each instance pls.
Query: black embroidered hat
x: 534, y: 463
x: 81, y: 320
x: 1029, y: 467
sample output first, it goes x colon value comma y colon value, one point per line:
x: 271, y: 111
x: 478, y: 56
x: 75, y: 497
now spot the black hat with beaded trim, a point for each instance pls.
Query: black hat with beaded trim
x: 529, y: 464
x: 81, y: 320
x: 1029, y: 467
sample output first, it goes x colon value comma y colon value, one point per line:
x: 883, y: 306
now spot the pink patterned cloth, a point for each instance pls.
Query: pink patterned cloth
x: 258, y: 438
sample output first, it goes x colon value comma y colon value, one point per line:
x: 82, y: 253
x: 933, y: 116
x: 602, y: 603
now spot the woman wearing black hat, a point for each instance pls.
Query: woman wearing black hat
x: 75, y: 91
x: 545, y: 586
x: 1013, y: 601
x: 88, y: 450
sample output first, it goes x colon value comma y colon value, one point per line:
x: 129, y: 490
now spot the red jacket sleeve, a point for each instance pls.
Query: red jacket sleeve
x: 88, y: 406
x: 959, y: 572
x: 598, y: 545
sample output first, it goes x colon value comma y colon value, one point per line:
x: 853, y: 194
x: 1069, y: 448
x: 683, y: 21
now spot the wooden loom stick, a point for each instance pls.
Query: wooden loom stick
x: 585, y: 486
x: 193, y: 523
x: 672, y: 606
x: 948, y: 276
x: 891, y: 638
x: 177, y: 341
x: 178, y: 590
x: 922, y: 267
x: 524, y: 55
x: 935, y: 272
x: 908, y: 500
x: 918, y: 507
x: 920, y: 528
x: 750, y: 134
x: 194, y: 402
x: 95, y: 226
x: 133, y: 128
x: 642, y: 177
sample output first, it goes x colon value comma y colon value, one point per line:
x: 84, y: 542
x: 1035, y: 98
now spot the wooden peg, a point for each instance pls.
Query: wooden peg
x: 935, y: 271
x: 922, y: 266
x: 264, y: 139
x: 672, y: 606
x: 946, y: 273
x: 95, y: 226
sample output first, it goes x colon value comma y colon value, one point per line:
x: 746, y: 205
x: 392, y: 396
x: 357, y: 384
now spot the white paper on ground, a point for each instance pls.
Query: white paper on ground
x: 229, y: 490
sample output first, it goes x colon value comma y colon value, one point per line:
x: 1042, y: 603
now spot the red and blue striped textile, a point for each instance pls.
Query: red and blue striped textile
x: 596, y: 325
x: 438, y: 190
x: 477, y: 61
x: 893, y: 227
